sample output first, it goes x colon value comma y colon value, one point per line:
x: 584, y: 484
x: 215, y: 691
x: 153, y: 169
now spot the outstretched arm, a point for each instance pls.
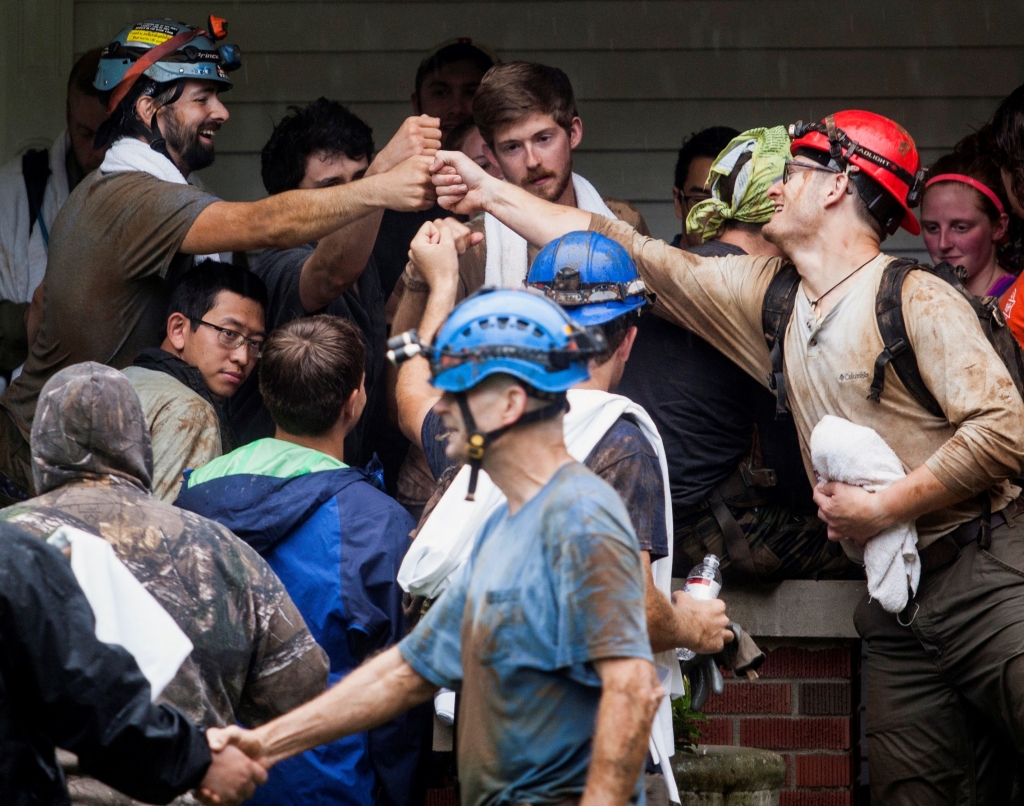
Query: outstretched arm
x: 296, y: 217
x: 371, y: 695
x: 339, y: 259
x: 463, y: 187
x: 630, y: 695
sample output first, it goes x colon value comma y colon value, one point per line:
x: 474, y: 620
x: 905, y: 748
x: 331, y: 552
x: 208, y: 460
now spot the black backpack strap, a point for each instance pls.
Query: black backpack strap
x: 35, y: 169
x: 776, y: 311
x: 893, y: 329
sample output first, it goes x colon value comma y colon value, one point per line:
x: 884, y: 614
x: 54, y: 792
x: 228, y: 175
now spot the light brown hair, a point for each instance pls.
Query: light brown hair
x: 309, y: 370
x: 511, y: 92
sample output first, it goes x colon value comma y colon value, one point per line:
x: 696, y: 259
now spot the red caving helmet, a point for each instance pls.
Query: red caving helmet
x: 866, y: 144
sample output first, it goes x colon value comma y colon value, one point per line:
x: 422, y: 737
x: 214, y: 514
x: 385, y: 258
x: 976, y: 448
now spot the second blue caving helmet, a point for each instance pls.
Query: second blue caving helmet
x: 589, y: 275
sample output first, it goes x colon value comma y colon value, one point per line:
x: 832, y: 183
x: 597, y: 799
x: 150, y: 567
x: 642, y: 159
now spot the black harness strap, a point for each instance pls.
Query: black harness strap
x: 35, y: 170
x: 897, y: 350
x: 776, y: 311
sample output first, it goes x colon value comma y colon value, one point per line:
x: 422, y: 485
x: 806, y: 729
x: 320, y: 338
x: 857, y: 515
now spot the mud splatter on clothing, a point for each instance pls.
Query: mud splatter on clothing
x: 544, y: 594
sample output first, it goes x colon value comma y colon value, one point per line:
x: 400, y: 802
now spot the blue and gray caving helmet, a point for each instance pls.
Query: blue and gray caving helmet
x: 591, y: 276
x: 515, y: 333
x: 164, y: 50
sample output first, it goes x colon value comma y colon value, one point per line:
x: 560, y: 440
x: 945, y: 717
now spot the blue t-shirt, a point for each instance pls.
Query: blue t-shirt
x: 544, y: 594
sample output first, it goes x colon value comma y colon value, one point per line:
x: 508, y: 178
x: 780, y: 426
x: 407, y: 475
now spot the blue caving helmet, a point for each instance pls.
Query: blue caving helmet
x: 517, y: 333
x: 591, y: 276
x: 165, y: 50
x: 512, y: 332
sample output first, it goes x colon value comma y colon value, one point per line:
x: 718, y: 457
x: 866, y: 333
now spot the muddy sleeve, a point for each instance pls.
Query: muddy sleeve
x: 971, y: 384
x: 718, y: 298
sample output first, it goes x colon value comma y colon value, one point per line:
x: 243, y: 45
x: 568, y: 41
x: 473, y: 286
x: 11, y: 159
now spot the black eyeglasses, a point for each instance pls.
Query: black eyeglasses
x: 810, y: 166
x: 695, y: 198
x: 233, y: 340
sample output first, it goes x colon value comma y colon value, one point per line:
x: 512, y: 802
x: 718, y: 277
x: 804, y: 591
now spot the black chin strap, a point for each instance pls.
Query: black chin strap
x: 156, y: 137
x: 477, y: 441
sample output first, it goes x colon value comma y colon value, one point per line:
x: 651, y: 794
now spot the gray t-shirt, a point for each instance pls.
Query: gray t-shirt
x: 113, y: 256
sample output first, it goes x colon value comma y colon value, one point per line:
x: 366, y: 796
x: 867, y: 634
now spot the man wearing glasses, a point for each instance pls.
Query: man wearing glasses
x: 945, y: 677
x: 214, y: 335
x: 693, y: 166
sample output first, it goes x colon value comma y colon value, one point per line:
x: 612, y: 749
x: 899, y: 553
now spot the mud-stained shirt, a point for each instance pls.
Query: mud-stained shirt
x: 545, y: 593
x: 254, y: 658
x: 829, y: 365
x: 182, y: 425
x: 113, y: 257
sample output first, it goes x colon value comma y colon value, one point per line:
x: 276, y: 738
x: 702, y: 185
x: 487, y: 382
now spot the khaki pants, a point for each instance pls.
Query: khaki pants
x: 945, y: 695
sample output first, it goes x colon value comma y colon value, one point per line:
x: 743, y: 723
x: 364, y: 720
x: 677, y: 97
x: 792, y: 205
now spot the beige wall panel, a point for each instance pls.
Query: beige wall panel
x: 696, y: 24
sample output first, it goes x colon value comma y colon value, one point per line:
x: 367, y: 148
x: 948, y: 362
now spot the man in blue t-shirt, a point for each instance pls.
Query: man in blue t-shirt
x: 543, y: 629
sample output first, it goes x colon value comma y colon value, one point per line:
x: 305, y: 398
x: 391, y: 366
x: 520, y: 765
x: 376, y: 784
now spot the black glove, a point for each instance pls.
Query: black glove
x: 738, y: 656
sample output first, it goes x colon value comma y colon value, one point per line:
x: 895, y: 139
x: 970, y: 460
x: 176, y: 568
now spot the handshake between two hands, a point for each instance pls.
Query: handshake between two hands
x: 236, y: 769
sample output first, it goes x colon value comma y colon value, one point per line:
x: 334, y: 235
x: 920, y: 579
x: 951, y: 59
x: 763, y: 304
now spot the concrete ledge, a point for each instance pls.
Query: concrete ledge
x: 796, y: 608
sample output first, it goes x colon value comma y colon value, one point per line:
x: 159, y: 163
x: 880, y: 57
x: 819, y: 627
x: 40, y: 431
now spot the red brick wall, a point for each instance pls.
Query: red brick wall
x: 802, y: 708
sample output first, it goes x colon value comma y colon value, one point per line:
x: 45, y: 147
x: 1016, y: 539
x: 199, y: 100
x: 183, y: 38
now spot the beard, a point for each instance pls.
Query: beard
x: 186, y: 142
x: 553, y: 190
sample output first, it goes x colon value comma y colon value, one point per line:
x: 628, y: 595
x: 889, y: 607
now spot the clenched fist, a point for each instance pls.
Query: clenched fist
x: 418, y: 136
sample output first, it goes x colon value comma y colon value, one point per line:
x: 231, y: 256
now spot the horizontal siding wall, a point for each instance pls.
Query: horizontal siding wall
x: 645, y: 73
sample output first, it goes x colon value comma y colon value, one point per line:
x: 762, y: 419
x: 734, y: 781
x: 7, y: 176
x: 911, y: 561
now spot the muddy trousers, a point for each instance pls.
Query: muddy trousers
x: 945, y: 695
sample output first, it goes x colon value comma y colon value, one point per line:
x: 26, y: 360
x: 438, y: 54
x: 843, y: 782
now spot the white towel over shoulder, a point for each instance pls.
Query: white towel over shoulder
x: 506, y: 251
x: 854, y: 454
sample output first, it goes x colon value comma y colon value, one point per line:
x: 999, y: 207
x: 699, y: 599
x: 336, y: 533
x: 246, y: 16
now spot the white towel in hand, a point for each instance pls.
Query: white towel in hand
x: 853, y: 454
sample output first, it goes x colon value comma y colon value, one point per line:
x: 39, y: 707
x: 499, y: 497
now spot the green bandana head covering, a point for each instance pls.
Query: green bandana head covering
x: 750, y: 164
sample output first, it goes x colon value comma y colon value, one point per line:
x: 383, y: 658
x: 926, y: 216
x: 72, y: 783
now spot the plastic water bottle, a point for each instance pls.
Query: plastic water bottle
x: 704, y: 582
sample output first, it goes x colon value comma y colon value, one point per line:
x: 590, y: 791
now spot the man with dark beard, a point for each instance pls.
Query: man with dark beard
x: 131, y: 228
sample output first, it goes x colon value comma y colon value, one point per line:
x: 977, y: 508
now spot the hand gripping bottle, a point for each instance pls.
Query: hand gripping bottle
x: 704, y: 582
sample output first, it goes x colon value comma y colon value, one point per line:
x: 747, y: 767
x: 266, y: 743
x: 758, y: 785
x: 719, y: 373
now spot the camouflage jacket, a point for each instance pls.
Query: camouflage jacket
x: 254, y: 657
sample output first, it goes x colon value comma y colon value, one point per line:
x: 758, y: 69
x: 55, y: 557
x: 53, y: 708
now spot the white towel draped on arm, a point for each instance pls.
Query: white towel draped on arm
x: 854, y: 454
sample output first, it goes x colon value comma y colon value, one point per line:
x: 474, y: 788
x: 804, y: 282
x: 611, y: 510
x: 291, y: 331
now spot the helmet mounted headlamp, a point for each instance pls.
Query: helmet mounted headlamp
x: 569, y: 290
x: 878, y: 156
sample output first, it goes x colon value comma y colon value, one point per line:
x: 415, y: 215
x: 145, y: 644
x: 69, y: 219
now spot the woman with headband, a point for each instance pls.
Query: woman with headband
x: 964, y: 216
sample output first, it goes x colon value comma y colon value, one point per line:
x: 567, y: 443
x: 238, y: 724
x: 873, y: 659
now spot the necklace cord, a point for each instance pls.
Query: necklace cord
x: 814, y: 302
